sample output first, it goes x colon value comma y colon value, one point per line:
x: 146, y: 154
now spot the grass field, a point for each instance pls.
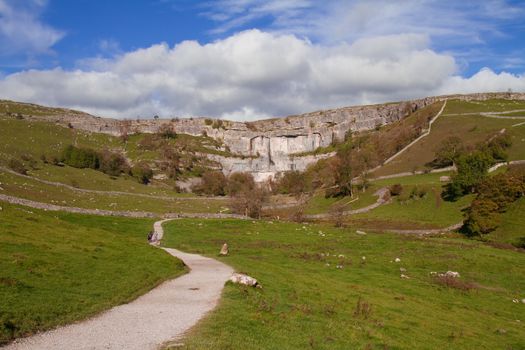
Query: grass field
x: 56, y: 268
x: 306, y: 302
x: 512, y: 224
x: 31, y: 189
x: 470, y: 128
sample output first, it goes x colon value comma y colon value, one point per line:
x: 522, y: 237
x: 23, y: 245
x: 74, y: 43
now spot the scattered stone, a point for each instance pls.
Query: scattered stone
x: 444, y: 178
x: 339, y: 266
x: 224, y: 249
x: 360, y: 232
x: 246, y: 280
x: 402, y: 269
x: 397, y: 260
x: 404, y: 276
x: 522, y: 300
x: 501, y: 331
x: 363, y: 258
x: 452, y: 274
x: 515, y: 301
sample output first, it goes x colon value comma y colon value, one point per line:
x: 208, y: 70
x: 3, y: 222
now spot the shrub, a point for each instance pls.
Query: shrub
x: 292, y: 182
x: 213, y: 184
x: 81, y: 157
x: 208, y: 121
x: 396, y: 190
x: 113, y: 164
x: 18, y: 166
x: 239, y: 182
x: 142, y: 172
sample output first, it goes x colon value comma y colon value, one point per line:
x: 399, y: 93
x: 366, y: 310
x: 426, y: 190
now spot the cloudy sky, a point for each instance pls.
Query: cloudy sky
x: 250, y: 59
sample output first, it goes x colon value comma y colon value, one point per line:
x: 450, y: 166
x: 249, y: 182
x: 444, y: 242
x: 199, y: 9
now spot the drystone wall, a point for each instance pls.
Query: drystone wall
x: 269, y: 147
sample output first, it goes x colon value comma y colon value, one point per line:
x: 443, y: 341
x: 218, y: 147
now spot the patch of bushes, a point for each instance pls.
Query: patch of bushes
x: 108, y: 162
x: 81, y: 157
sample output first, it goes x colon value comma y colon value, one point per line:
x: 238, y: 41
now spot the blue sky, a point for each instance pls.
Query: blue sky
x: 247, y: 59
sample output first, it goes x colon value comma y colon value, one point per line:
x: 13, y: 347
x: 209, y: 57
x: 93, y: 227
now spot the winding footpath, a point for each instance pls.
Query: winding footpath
x: 163, y: 314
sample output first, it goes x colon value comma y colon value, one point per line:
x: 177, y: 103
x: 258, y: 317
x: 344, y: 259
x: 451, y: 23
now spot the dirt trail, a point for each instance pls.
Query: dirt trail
x: 162, y: 314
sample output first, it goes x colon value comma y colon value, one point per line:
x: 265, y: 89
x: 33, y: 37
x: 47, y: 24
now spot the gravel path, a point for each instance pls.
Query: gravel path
x: 381, y: 199
x: 162, y: 314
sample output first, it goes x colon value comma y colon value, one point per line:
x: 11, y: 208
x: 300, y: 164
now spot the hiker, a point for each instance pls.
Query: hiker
x: 150, y: 236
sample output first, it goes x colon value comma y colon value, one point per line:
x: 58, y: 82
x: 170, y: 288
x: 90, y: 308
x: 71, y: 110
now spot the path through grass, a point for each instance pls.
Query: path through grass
x: 56, y: 268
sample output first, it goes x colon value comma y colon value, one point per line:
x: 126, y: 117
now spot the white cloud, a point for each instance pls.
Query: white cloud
x: 21, y: 31
x: 250, y: 75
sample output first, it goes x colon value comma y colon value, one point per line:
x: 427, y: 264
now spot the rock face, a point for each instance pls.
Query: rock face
x: 269, y: 147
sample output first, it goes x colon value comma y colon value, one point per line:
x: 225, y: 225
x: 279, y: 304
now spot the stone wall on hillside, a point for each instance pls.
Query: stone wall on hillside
x: 269, y: 146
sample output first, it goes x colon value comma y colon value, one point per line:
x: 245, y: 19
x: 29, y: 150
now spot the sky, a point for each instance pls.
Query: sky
x: 253, y: 59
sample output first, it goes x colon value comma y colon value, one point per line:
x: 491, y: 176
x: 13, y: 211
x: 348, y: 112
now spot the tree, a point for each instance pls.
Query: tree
x: 449, y: 150
x: 494, y: 195
x: 249, y: 202
x: 343, y: 171
x: 471, y: 170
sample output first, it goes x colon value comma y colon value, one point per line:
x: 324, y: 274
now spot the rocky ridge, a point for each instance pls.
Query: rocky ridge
x: 271, y: 146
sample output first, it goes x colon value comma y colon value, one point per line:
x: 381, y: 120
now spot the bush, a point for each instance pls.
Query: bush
x: 208, y: 121
x: 113, y: 164
x: 239, y: 182
x: 81, y: 157
x: 18, y: 166
x: 293, y: 182
x: 213, y: 184
x: 396, y: 190
x: 142, y: 172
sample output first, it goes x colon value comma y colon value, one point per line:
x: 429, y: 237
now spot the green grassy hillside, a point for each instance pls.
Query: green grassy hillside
x: 57, y: 268
x: 306, y: 301
x: 470, y: 128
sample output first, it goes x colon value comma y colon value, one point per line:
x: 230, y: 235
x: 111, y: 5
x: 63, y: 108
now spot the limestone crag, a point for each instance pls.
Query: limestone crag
x: 268, y: 147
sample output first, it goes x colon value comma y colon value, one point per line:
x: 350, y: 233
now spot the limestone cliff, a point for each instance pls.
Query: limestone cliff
x: 268, y: 147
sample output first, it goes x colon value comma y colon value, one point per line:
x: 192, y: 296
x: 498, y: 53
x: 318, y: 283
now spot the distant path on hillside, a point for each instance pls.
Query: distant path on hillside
x: 163, y: 314
x: 131, y: 214
x: 381, y: 199
x: 118, y: 193
x: 497, y: 114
